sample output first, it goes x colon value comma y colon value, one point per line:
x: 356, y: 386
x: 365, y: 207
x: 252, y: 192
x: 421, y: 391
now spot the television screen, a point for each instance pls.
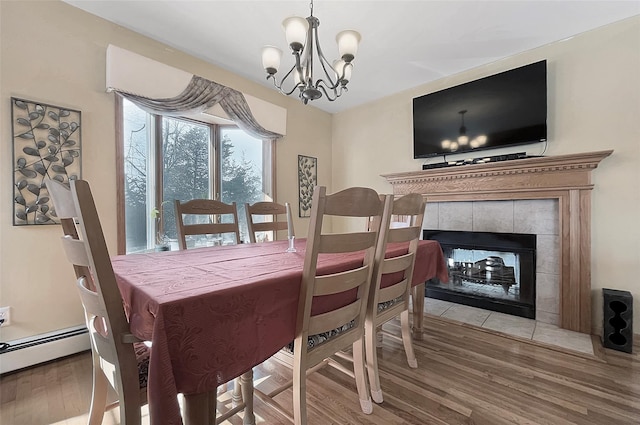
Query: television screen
x: 505, y: 109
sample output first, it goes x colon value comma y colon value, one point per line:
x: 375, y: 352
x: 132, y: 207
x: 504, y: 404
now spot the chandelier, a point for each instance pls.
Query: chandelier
x: 302, y: 36
x: 463, y: 139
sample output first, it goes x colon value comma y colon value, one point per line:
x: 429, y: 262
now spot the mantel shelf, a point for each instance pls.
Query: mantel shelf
x: 516, y: 179
x: 566, y: 178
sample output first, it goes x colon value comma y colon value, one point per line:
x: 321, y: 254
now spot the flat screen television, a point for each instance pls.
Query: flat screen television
x: 505, y: 109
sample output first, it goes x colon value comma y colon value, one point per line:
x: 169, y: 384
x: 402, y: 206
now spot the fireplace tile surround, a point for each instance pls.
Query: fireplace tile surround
x: 537, y: 216
x: 564, y: 179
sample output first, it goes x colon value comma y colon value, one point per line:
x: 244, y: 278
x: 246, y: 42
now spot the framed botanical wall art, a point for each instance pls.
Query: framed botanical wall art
x: 46, y: 145
x: 307, y: 181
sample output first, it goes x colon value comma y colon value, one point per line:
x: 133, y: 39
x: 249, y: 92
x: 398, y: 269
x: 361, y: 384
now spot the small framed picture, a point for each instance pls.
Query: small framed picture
x: 307, y: 181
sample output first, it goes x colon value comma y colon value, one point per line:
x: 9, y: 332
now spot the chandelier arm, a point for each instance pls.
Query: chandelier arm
x: 297, y: 67
x: 324, y: 62
x: 281, y: 90
x: 339, y: 83
x: 330, y: 85
x: 324, y: 90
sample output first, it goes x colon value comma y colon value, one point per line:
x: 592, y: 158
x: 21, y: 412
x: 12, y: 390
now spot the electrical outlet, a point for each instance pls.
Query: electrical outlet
x: 5, y: 314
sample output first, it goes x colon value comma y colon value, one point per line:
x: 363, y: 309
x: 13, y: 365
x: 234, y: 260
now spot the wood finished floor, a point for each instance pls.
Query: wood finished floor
x: 465, y: 376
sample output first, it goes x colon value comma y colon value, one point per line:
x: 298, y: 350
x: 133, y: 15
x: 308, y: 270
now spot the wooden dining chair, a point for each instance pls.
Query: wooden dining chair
x: 401, y: 223
x: 265, y: 217
x: 320, y: 335
x: 208, y: 216
x: 118, y: 357
x: 213, y: 211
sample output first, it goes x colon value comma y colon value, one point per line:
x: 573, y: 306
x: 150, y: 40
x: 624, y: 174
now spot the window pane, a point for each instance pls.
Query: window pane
x: 137, y: 155
x: 183, y: 150
x: 186, y: 171
x: 242, y: 173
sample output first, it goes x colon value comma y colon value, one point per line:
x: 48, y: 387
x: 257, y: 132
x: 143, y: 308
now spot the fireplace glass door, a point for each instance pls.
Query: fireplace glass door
x: 493, y: 271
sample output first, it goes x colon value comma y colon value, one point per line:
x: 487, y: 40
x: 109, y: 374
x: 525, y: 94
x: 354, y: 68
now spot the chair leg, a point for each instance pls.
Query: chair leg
x: 213, y: 404
x: 406, y: 339
x: 197, y: 408
x: 246, y: 386
x: 418, y: 309
x: 370, y: 337
x: 222, y: 388
x: 99, y: 394
x: 236, y: 395
x: 130, y: 403
x: 361, y: 380
x: 379, y: 337
x: 299, y: 390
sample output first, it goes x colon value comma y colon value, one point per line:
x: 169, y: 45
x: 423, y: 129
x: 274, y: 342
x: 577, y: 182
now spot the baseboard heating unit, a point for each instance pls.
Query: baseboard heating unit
x: 36, y: 349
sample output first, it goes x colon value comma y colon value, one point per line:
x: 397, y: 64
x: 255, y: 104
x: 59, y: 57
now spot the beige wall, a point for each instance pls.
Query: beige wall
x: 594, y: 104
x: 54, y: 53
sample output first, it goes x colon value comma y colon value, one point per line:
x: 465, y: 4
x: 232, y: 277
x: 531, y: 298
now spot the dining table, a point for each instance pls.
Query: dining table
x: 213, y: 313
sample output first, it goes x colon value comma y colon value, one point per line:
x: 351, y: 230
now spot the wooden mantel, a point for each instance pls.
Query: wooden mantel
x: 566, y: 178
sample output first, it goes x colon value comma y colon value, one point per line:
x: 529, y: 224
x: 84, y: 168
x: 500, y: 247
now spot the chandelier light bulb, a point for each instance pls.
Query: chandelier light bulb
x: 271, y: 57
x: 446, y: 144
x: 295, y: 30
x: 463, y: 140
x: 348, y: 41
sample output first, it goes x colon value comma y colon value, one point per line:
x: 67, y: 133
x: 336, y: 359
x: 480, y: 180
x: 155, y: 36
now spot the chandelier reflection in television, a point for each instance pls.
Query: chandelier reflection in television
x: 463, y: 138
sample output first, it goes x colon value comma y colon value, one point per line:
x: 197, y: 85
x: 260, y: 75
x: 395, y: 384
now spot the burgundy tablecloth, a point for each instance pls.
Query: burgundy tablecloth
x: 214, y: 313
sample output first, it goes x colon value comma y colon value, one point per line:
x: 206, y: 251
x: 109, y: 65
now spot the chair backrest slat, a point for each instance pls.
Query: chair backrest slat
x: 341, y: 242
x: 352, y: 202
x: 267, y: 208
x: 328, y: 321
x: 104, y: 348
x: 63, y: 200
x: 403, y: 234
x: 268, y: 226
x: 397, y: 264
x: 209, y: 228
x: 76, y: 251
x: 340, y: 282
x: 393, y: 292
x: 91, y: 301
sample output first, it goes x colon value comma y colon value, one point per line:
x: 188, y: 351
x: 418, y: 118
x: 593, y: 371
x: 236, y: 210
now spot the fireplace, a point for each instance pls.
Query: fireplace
x: 493, y: 271
x: 565, y: 178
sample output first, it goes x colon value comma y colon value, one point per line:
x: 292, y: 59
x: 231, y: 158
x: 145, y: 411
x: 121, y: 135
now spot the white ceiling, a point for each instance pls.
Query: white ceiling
x: 404, y: 43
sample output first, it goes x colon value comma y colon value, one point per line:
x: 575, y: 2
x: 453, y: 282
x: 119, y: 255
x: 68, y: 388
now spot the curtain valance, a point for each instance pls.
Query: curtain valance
x: 161, y: 89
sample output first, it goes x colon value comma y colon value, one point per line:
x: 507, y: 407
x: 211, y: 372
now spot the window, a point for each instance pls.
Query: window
x: 167, y: 158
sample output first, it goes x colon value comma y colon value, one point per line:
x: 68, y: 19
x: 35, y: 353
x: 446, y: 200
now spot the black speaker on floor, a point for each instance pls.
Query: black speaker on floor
x: 618, y: 320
